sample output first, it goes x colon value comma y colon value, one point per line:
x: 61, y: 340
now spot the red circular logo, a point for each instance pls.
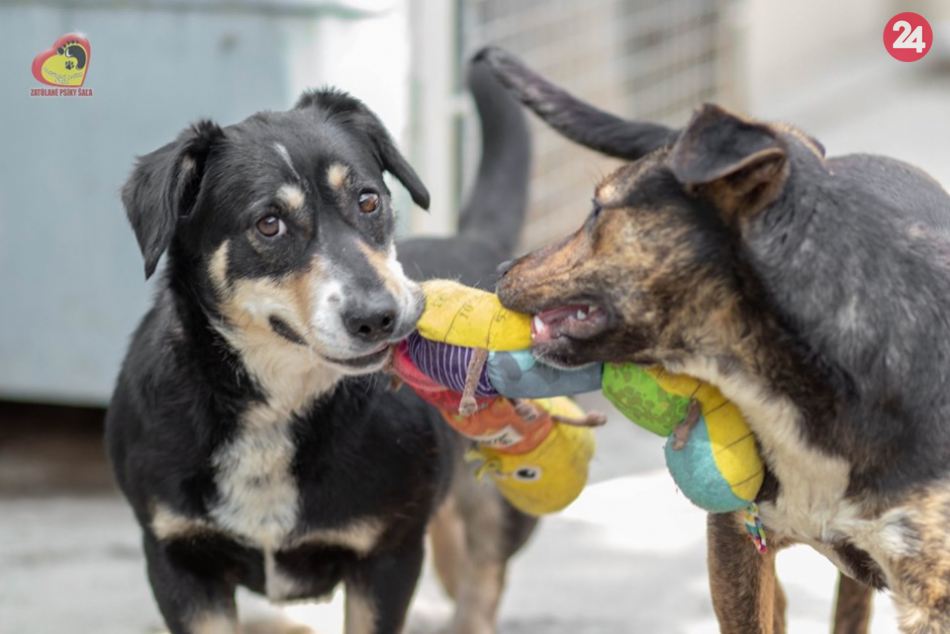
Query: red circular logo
x: 908, y: 37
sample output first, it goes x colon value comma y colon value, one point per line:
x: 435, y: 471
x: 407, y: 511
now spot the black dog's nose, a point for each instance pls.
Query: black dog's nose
x: 371, y: 319
x: 504, y: 267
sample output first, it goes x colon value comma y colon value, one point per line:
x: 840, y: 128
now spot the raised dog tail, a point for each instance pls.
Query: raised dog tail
x: 497, y: 204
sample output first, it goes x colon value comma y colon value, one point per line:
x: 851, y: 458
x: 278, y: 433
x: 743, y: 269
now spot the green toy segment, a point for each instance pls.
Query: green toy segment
x: 640, y: 398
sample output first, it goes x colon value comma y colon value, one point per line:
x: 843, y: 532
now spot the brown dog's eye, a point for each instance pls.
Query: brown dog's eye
x: 597, y: 208
x: 271, y: 226
x: 369, y: 202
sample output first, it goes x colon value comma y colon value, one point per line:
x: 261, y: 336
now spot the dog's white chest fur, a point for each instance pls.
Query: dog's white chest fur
x: 258, y: 495
x: 811, y: 506
x: 813, y: 483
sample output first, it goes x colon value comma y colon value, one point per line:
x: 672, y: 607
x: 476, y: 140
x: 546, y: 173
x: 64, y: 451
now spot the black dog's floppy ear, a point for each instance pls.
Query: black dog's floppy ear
x: 578, y: 121
x: 164, y: 187
x: 736, y: 162
x: 350, y: 110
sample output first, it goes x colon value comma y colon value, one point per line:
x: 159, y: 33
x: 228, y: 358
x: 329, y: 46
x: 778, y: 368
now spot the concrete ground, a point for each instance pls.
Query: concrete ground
x: 628, y: 556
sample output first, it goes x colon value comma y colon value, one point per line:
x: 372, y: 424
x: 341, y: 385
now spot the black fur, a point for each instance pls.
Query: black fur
x: 359, y: 450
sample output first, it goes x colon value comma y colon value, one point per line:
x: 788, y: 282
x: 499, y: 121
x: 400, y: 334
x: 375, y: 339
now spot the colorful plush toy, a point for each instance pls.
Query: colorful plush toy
x: 536, y: 452
x: 711, y: 452
x: 550, y: 475
x: 467, y: 341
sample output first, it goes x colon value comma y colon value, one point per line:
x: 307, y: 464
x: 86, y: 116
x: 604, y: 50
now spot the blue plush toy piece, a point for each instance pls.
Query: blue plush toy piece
x: 696, y: 473
x: 519, y: 375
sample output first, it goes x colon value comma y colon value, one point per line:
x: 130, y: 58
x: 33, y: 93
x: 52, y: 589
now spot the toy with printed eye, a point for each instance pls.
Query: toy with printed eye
x: 548, y: 476
x: 467, y: 341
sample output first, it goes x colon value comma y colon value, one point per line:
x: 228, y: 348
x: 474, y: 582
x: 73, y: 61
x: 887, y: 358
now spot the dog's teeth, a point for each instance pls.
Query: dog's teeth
x: 591, y: 310
x: 538, y: 324
x: 581, y: 315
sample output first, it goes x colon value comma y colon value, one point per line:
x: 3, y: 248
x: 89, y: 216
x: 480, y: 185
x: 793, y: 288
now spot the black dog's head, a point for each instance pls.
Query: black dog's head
x: 655, y: 274
x: 281, y: 228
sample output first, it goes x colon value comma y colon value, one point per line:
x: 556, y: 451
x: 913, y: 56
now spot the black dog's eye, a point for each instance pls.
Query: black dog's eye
x: 369, y: 202
x: 271, y: 227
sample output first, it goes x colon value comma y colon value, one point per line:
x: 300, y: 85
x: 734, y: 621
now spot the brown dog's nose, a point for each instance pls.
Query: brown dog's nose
x: 504, y: 267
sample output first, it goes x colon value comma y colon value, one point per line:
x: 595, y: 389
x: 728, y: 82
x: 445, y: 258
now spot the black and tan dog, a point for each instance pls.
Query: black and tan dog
x: 813, y: 291
x: 247, y: 431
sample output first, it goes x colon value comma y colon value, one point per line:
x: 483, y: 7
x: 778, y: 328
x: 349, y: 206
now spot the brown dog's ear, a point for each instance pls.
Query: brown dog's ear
x: 738, y: 164
x: 164, y: 186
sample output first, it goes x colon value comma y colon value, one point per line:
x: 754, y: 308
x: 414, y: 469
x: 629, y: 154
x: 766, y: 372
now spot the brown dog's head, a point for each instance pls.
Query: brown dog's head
x: 656, y: 273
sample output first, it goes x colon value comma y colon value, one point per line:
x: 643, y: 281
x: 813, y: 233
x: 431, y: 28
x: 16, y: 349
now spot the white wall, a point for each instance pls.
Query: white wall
x: 788, y: 43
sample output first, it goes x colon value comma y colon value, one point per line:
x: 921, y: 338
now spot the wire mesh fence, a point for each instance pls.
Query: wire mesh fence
x: 653, y: 59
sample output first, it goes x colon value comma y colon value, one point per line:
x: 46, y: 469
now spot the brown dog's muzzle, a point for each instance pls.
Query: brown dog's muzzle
x: 534, y: 281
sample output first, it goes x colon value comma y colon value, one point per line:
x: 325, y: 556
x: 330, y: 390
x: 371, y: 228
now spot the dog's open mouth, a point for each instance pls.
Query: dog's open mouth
x: 367, y: 362
x: 576, y: 321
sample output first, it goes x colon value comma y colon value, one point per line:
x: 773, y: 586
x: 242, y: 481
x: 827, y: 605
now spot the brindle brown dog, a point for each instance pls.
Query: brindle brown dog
x: 813, y: 292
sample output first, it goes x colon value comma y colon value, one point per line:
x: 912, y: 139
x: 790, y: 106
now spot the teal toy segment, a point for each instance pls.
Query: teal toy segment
x: 518, y: 375
x: 695, y: 472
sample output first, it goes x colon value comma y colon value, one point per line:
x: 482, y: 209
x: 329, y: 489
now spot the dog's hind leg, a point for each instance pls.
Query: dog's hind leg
x: 493, y: 532
x: 778, y: 609
x: 852, y: 606
x: 914, y: 541
x: 447, y: 536
x: 742, y: 580
x: 190, y: 602
x: 379, y: 588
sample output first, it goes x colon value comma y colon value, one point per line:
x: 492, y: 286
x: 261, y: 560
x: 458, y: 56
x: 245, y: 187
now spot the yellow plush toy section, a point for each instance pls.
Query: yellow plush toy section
x: 464, y: 316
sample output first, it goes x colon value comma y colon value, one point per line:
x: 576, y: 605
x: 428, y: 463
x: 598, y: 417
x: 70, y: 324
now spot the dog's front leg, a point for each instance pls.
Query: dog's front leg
x: 192, y: 602
x: 379, y: 589
x: 744, y: 589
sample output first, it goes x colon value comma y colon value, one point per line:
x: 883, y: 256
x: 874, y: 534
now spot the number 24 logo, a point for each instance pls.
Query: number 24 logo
x: 909, y: 37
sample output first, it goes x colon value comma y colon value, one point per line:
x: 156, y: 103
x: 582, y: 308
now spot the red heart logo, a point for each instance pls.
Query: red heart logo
x: 65, y: 63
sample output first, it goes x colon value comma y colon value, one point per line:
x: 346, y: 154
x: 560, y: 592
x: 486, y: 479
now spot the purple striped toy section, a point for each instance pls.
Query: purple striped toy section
x: 447, y: 364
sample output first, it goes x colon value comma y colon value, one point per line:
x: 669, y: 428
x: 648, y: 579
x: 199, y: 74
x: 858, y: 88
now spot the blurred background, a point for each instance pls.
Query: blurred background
x: 629, y: 555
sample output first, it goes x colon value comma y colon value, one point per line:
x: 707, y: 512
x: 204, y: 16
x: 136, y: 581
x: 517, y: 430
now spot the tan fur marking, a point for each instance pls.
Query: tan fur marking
x: 338, y: 175
x: 606, y: 192
x: 168, y: 524
x: 249, y: 304
x: 214, y: 623
x: 292, y: 196
x: 360, y: 536
x: 801, y: 136
x: 360, y: 613
x: 218, y: 266
x: 611, y: 190
x: 759, y: 187
x: 920, y: 564
x: 380, y: 264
